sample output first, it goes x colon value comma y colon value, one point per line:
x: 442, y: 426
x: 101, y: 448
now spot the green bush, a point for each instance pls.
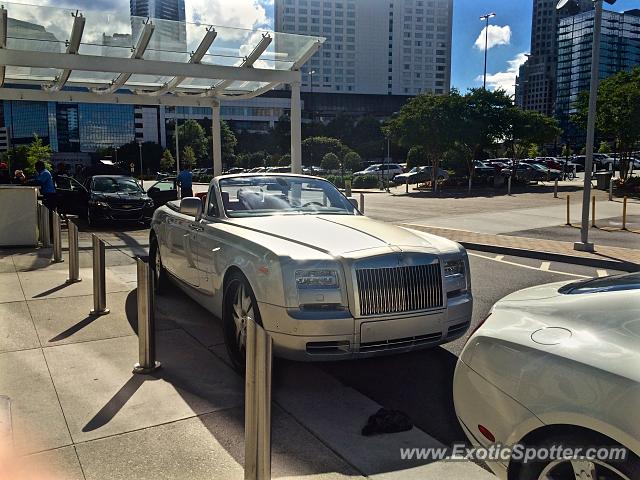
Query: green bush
x: 336, y: 180
x: 366, y: 181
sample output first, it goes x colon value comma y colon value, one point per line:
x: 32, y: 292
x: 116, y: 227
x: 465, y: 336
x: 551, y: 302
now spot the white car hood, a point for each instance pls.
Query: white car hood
x: 339, y: 235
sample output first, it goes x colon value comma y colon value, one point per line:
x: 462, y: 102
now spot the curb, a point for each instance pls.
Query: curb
x: 554, y: 257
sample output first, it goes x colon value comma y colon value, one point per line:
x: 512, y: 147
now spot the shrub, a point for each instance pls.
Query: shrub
x: 336, y: 180
x: 366, y: 181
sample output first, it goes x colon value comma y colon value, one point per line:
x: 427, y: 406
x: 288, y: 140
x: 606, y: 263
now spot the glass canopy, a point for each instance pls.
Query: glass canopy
x: 56, y: 48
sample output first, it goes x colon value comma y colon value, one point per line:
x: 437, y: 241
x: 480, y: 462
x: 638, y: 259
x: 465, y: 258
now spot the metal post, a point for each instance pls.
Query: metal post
x: 46, y: 229
x: 216, y: 139
x: 39, y: 214
x: 611, y: 189
x: 406, y: 185
x: 264, y: 359
x: 296, y: 129
x: 362, y: 203
x: 146, y: 320
x: 57, y: 238
x: 593, y: 211
x: 509, y: 185
x: 624, y: 213
x: 583, y: 244
x: 250, y: 411
x: 74, y: 254
x: 347, y: 188
x: 555, y: 189
x: 568, y: 210
x: 99, y: 285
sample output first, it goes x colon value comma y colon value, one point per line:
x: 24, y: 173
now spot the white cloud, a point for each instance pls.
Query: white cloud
x: 497, y: 36
x: 505, y: 80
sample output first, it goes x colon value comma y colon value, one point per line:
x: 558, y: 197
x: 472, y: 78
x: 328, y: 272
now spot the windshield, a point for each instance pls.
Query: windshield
x: 115, y: 185
x: 281, y: 195
x: 371, y: 168
x: 604, y: 284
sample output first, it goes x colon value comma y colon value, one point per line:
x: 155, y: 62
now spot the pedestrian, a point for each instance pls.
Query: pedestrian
x: 47, y: 188
x: 18, y: 178
x: 185, y: 182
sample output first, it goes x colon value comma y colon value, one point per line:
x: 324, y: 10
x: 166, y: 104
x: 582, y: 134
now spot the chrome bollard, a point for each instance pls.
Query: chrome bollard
x: 611, y: 190
x: 46, y: 227
x: 57, y: 238
x: 39, y: 213
x: 258, y: 403
x: 146, y: 320
x: 99, y: 285
x: 406, y: 185
x: 509, y: 185
x: 74, y: 254
x: 362, y: 203
x: 555, y: 189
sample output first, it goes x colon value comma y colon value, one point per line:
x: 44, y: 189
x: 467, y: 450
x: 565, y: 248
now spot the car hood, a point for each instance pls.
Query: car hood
x: 119, y: 196
x: 341, y: 235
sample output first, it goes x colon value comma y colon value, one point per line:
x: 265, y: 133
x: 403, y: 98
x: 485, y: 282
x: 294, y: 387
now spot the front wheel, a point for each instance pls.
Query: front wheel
x: 239, y: 308
x: 159, y: 273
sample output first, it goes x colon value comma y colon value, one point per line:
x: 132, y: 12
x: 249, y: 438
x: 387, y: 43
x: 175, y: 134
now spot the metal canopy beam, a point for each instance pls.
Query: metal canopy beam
x: 247, y: 62
x: 310, y: 53
x: 138, y: 52
x: 3, y: 39
x: 22, y: 58
x: 196, y: 57
x: 73, y: 45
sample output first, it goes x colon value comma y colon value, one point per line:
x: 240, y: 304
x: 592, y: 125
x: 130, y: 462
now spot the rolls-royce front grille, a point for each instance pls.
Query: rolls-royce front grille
x: 399, y: 289
x: 397, y: 343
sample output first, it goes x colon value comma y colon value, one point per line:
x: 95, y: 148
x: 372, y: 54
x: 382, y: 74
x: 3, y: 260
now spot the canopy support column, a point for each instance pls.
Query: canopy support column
x: 3, y: 39
x: 216, y: 139
x: 296, y: 129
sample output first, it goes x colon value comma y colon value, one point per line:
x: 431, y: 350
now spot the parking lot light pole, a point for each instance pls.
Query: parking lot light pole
x: 486, y: 18
x: 140, y: 152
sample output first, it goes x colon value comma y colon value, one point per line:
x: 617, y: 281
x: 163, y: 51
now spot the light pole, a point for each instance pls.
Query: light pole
x: 584, y: 245
x: 311, y: 72
x: 140, y: 152
x: 486, y: 18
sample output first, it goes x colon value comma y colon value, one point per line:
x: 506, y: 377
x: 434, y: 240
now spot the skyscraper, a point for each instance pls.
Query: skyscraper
x: 158, y: 9
x: 168, y: 35
x: 619, y: 50
x: 390, y: 47
x: 535, y: 84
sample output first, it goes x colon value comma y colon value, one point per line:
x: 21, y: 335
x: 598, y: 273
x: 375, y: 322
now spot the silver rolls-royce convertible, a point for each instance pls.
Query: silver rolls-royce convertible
x: 327, y: 283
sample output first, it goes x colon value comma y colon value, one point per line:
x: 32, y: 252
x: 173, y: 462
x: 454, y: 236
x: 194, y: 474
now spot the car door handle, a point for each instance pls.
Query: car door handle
x: 196, y: 228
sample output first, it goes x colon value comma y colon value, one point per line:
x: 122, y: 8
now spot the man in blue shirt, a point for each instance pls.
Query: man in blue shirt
x: 47, y: 188
x: 185, y: 181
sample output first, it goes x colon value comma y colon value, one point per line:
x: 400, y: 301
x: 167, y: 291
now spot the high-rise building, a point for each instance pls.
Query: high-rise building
x: 535, y: 84
x: 158, y: 9
x: 619, y: 51
x: 389, y: 47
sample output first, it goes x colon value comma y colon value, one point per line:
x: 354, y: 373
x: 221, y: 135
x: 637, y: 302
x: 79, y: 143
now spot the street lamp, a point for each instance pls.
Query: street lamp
x: 140, y: 151
x: 311, y: 72
x: 584, y: 245
x: 486, y: 44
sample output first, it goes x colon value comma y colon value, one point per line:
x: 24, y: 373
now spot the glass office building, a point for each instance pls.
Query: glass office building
x: 619, y: 51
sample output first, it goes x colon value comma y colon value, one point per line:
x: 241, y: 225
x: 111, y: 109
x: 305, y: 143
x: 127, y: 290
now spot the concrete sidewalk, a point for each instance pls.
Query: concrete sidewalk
x: 78, y: 409
x: 615, y: 258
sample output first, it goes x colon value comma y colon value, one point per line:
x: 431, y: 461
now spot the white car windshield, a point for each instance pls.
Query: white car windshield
x: 246, y: 196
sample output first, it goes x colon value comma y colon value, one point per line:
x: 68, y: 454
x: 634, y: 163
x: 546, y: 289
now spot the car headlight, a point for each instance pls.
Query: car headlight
x: 101, y: 204
x: 149, y: 203
x: 316, y: 279
x: 454, y: 267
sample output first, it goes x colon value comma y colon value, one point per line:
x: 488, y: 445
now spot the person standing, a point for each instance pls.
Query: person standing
x: 185, y: 182
x: 47, y: 188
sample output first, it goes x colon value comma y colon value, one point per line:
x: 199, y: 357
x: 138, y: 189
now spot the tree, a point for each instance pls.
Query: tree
x: 282, y: 135
x: 352, y: 162
x: 188, y: 158
x: 315, y: 148
x: 527, y: 128
x: 192, y: 134
x: 367, y: 138
x: 167, y: 162
x: 37, y: 151
x: 229, y: 143
x: 340, y: 127
x: 533, y: 151
x: 330, y: 161
x: 285, y: 160
x: 566, y: 151
x: 416, y: 157
x: 604, y: 147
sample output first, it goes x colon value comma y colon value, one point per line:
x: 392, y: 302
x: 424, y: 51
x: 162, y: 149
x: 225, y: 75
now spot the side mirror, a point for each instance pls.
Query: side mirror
x: 191, y: 206
x: 353, y: 202
x: 153, y: 190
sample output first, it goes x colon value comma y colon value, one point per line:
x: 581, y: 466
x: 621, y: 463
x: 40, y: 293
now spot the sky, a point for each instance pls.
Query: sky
x: 509, y: 32
x: 509, y: 40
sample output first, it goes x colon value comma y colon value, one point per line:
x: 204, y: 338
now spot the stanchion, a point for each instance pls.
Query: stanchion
x: 362, y: 203
x: 74, y: 254
x: 624, y: 213
x: 146, y: 320
x: 406, y: 185
x: 57, y: 238
x: 39, y: 212
x: 555, y: 188
x: 611, y: 189
x: 46, y: 227
x: 568, y: 210
x: 593, y: 211
x: 99, y: 285
x: 509, y: 185
x: 258, y: 403
x: 347, y: 188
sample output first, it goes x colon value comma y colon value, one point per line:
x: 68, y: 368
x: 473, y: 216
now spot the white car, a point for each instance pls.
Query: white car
x: 383, y: 171
x: 327, y: 283
x: 557, y: 364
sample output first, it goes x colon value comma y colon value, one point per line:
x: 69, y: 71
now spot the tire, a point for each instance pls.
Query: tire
x: 159, y: 272
x: 239, y: 306
x: 628, y: 469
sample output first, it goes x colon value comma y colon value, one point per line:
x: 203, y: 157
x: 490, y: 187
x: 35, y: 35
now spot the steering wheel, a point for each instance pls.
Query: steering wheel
x: 308, y: 204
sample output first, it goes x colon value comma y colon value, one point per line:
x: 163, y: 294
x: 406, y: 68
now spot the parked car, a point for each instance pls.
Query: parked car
x: 72, y: 196
x: 419, y: 175
x: 556, y: 364
x: 235, y: 170
x: 532, y: 172
x: 483, y: 170
x: 381, y: 170
x: 295, y: 255
x: 279, y: 169
x: 163, y: 191
x: 117, y: 198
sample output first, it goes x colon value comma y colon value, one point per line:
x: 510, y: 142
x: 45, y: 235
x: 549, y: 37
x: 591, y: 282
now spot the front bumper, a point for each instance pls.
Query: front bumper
x: 143, y: 214
x: 336, y: 335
